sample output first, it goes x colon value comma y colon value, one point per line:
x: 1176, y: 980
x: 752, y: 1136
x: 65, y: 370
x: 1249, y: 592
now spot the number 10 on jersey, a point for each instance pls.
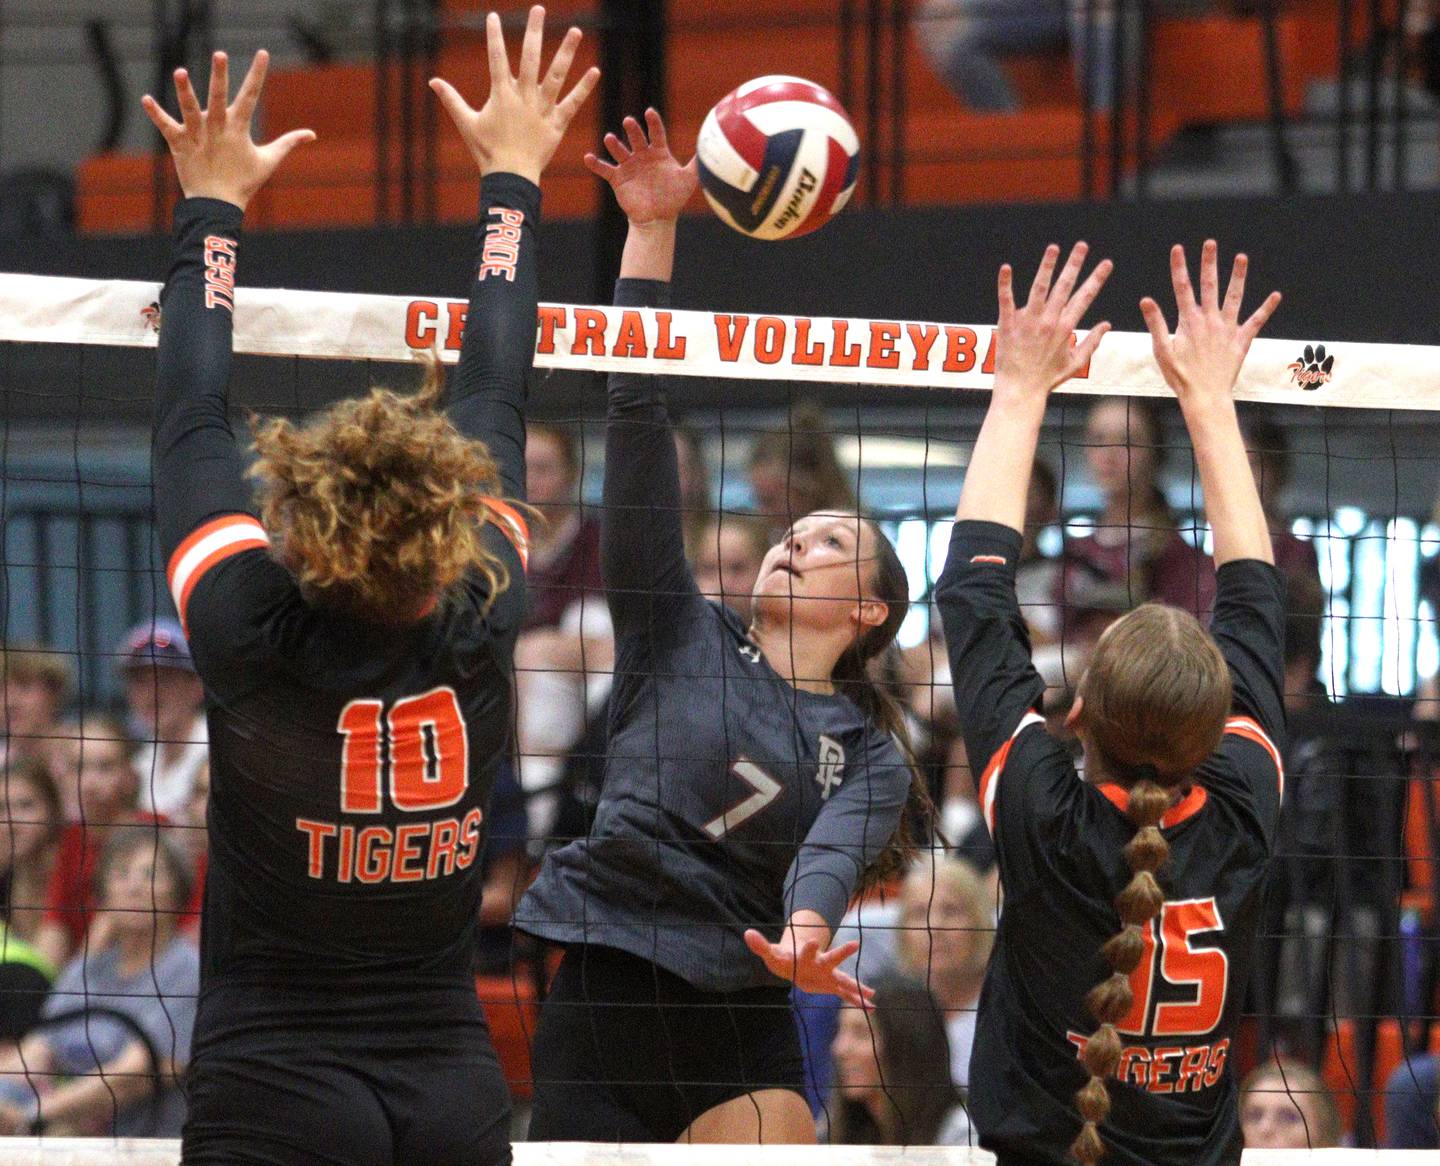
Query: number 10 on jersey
x: 428, y: 753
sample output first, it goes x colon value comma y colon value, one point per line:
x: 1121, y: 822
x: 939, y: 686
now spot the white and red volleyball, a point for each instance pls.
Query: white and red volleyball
x: 778, y: 157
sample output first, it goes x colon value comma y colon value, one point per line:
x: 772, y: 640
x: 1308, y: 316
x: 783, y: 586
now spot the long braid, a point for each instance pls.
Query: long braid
x: 1111, y: 999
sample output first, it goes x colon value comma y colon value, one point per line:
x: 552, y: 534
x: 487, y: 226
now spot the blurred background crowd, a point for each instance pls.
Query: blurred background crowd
x: 103, y: 851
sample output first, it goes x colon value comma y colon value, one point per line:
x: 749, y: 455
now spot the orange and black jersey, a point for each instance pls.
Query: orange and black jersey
x: 1059, y: 842
x: 351, y: 763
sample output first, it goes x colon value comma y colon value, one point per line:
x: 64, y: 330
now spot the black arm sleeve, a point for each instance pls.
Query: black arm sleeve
x: 642, y: 540
x: 197, y: 469
x: 488, y: 390
x: 989, y: 648
x: 1249, y: 626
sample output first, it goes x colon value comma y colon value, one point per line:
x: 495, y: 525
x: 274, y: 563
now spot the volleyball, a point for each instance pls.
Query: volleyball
x: 778, y: 157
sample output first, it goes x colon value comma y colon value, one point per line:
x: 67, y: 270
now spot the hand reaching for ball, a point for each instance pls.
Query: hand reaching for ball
x: 649, y: 182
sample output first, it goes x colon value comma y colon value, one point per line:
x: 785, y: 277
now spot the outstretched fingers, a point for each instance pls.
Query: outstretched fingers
x: 1155, y: 321
x: 1259, y: 318
x: 1085, y: 350
x: 560, y: 65
x: 1040, y: 286
x: 634, y: 135
x: 455, y: 105
x: 530, y: 47
x: 1069, y: 274
x: 249, y: 95
x: 1005, y: 292
x: 1235, y: 292
x: 577, y: 96
x: 600, y: 168
x: 189, y: 104
x: 1078, y: 304
x: 495, y: 48
x: 217, y: 110
x: 170, y: 129
x: 1180, y: 281
x: 618, y: 150
x: 838, y: 955
x: 655, y: 124
x: 1210, y: 276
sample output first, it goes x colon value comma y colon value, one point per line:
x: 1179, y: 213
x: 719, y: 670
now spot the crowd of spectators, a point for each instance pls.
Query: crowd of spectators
x: 103, y: 855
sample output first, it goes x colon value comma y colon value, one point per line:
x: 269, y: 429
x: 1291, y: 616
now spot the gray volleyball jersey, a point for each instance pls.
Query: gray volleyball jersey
x: 731, y: 799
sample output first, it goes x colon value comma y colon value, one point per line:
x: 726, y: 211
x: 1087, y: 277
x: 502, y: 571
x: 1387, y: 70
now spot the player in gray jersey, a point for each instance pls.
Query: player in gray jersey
x: 753, y: 782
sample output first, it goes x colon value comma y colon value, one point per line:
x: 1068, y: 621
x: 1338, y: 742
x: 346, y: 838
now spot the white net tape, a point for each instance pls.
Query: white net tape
x: 165, y: 1152
x: 270, y: 322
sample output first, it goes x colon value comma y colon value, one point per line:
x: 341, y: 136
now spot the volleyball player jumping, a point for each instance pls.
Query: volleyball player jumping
x: 1146, y: 877
x: 355, y: 645
x: 751, y: 781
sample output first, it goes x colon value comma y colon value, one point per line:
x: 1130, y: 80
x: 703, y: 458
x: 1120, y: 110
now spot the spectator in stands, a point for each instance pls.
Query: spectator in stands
x: 1036, y: 574
x: 1412, y: 1097
x: 506, y: 870
x: 961, y: 820
x: 1332, y: 868
x: 947, y: 928
x: 143, y: 970
x: 694, y: 484
x: 29, y: 835
x: 34, y: 686
x: 726, y: 557
x: 892, y: 1075
x: 564, y: 549
x: 192, y: 839
x: 967, y: 42
x: 92, y: 759
x: 1270, y: 462
x: 29, y: 842
x: 563, y: 658
x: 166, y: 705
x: 795, y: 471
x: 1286, y: 1106
x: 1135, y: 552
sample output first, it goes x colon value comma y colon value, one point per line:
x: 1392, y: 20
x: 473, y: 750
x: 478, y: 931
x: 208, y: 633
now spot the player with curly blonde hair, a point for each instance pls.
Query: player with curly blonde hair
x: 356, y: 642
x: 380, y: 503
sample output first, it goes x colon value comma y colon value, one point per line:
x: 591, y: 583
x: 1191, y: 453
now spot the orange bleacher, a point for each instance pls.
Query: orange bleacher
x: 1204, y: 69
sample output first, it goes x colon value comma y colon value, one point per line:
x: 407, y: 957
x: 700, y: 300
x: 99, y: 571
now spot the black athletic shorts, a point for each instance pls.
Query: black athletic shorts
x: 428, y: 1095
x: 627, y: 1052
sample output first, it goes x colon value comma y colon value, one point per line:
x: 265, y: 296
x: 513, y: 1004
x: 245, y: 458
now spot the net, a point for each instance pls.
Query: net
x: 779, y: 416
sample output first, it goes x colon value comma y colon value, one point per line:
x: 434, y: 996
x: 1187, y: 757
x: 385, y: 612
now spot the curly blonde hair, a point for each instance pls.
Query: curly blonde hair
x: 377, y: 503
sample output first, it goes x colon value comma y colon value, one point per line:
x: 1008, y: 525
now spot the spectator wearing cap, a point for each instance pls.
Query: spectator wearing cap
x: 166, y: 703
x: 34, y: 686
x: 92, y: 766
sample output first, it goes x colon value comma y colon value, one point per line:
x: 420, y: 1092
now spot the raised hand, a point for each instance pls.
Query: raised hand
x: 215, y: 156
x: 519, y: 127
x: 805, y: 965
x: 1203, y: 358
x: 650, y: 184
x: 1033, y: 350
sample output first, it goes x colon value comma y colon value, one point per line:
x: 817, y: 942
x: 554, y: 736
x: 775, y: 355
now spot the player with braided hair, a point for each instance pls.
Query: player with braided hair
x: 1171, y: 829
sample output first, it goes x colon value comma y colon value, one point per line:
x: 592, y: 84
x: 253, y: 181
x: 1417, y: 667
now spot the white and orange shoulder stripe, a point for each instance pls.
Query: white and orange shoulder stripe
x: 1249, y: 728
x: 513, y: 526
x: 989, y: 780
x: 208, y: 544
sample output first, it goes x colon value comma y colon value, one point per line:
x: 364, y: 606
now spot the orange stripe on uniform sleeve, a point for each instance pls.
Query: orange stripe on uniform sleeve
x: 1250, y: 730
x: 513, y: 526
x: 210, y: 543
x: 989, y: 780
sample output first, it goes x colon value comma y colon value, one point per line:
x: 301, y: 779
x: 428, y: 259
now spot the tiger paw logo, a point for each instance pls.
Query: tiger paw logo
x: 1313, y: 368
x: 151, y: 315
